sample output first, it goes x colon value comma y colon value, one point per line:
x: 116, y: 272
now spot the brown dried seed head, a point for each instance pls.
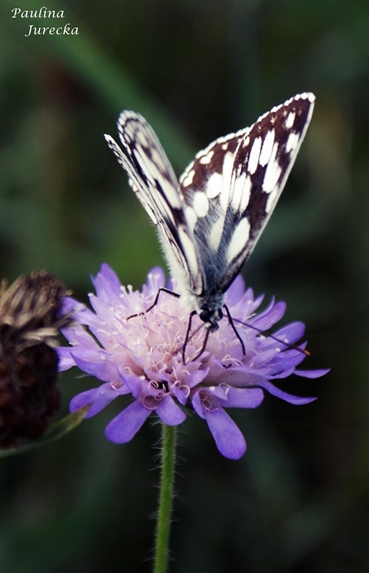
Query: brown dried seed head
x: 30, y: 315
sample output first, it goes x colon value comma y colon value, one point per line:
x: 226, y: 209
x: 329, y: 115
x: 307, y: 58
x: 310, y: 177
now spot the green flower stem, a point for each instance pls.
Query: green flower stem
x: 168, y: 454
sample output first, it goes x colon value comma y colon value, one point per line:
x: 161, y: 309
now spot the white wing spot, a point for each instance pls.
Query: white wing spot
x: 266, y: 150
x: 157, y: 158
x: 292, y: 141
x: 272, y: 172
x: 139, y: 137
x: 191, y: 217
x: 271, y: 202
x: 225, y: 146
x: 214, y: 185
x: 228, y: 163
x: 246, y: 142
x: 188, y: 179
x: 246, y: 194
x: 239, y: 239
x: 189, y: 250
x: 241, y: 192
x: 290, y: 120
x: 216, y: 234
x: 200, y: 203
x: 206, y: 158
x: 237, y: 190
x: 150, y: 168
x: 254, y: 156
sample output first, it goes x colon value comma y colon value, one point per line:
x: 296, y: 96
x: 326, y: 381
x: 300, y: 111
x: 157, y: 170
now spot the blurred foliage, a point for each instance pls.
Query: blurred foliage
x: 55, y: 432
x: 298, y: 500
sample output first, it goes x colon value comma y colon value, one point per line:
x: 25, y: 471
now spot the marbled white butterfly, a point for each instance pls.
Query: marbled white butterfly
x: 209, y: 222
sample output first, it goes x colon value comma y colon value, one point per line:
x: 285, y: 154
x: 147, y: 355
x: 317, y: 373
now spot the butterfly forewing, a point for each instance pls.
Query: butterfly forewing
x: 232, y: 187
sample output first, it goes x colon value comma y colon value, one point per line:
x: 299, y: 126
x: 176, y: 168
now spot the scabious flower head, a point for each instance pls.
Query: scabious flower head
x: 142, y: 355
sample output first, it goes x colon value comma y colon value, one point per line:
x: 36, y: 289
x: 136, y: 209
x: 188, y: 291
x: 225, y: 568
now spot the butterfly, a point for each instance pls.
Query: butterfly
x: 209, y: 221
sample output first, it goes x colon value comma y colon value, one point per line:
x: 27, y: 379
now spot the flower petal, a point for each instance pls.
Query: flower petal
x: 235, y: 291
x: 97, y: 398
x: 155, y: 281
x: 79, y: 312
x: 312, y: 373
x: 96, y: 363
x: 77, y: 336
x: 296, y: 400
x: 107, y: 283
x: 170, y: 413
x: 228, y: 437
x: 65, y: 359
x: 244, y: 398
x: 270, y: 316
x: 126, y: 425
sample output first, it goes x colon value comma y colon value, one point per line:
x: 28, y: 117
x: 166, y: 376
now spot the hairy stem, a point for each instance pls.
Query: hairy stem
x: 169, y: 440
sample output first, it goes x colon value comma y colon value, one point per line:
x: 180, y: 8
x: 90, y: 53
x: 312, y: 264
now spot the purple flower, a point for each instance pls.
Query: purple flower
x: 143, y: 356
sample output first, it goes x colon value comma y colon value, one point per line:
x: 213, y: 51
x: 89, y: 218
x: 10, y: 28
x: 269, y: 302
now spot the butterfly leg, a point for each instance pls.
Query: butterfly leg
x: 208, y: 330
x: 160, y: 290
x: 187, y: 336
x: 203, y: 346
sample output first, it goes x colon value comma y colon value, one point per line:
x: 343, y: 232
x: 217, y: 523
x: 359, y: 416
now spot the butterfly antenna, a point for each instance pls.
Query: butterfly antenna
x: 264, y: 333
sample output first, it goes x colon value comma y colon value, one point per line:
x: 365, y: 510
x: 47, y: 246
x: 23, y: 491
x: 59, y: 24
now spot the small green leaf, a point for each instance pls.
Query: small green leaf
x: 55, y: 432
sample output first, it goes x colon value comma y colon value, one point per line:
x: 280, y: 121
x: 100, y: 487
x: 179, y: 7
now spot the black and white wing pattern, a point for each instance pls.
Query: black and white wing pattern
x: 152, y: 178
x: 210, y: 221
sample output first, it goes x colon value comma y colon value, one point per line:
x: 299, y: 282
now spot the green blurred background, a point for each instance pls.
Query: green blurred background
x: 298, y: 500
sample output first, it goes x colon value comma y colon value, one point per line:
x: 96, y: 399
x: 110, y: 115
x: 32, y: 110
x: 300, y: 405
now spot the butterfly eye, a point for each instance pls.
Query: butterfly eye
x: 211, y: 316
x: 205, y: 315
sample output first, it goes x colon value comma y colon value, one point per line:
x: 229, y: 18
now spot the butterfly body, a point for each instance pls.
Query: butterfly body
x: 209, y: 222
